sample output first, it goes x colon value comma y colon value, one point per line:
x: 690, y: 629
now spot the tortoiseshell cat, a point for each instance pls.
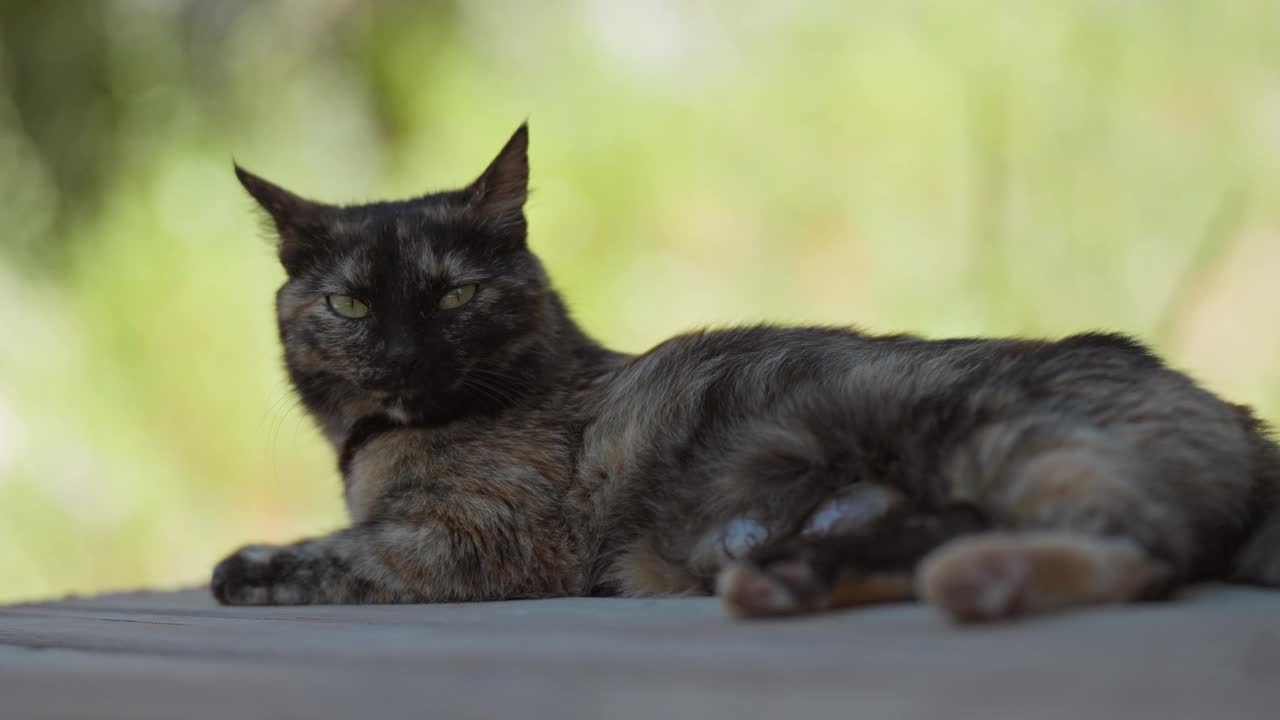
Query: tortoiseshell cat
x: 489, y: 449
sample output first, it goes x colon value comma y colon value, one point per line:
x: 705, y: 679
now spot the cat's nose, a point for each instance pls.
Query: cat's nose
x: 401, y: 352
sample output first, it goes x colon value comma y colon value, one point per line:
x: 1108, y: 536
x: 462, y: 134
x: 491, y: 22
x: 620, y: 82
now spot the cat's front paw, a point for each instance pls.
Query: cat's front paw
x: 257, y: 575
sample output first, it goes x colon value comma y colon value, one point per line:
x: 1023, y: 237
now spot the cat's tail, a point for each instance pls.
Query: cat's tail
x: 1258, y: 563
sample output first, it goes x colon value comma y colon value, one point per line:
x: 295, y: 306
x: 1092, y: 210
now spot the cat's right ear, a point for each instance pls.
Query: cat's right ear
x: 498, y: 195
x: 291, y: 214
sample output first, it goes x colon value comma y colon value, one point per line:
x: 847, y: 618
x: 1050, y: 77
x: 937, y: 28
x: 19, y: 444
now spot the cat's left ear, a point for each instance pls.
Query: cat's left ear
x: 498, y: 195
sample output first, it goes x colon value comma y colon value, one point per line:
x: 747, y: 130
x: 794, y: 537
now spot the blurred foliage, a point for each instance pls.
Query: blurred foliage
x: 944, y: 167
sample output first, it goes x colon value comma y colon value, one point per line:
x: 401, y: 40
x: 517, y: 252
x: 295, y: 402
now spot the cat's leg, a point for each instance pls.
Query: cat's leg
x: 855, y: 566
x: 1085, y: 523
x: 373, y: 563
x: 483, y: 555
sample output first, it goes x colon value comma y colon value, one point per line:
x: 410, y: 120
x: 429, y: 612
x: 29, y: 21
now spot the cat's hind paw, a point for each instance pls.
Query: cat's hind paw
x: 995, y: 576
x: 806, y: 581
x: 787, y: 587
x: 977, y: 580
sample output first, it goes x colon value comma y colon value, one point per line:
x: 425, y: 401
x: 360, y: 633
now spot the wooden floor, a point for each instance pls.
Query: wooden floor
x: 1216, y: 654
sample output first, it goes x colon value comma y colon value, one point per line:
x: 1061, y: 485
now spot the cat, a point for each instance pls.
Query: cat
x: 489, y: 449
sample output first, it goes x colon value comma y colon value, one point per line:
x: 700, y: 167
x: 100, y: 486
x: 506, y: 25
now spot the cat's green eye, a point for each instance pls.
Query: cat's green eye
x: 347, y: 306
x: 458, y: 297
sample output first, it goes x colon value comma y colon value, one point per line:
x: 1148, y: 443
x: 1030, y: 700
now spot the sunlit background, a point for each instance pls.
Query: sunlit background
x: 949, y: 167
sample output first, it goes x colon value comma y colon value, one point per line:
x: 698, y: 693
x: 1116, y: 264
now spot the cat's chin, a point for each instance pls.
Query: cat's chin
x: 410, y: 409
x: 396, y: 411
x: 441, y: 406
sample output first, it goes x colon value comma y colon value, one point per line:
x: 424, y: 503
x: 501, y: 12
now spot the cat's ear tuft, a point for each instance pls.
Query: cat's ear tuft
x: 290, y: 213
x: 498, y: 195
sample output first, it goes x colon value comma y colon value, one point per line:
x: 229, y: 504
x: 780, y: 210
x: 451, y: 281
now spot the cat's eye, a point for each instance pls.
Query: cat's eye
x: 458, y: 297
x: 347, y: 306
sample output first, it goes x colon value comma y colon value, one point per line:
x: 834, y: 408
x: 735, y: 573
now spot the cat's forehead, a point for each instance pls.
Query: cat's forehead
x: 418, y: 244
x: 397, y: 221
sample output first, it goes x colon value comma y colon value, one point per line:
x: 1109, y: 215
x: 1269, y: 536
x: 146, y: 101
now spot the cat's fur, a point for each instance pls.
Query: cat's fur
x: 495, y: 451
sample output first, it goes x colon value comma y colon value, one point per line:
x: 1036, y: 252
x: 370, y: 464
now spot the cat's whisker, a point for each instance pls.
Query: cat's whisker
x: 508, y: 393
x: 509, y: 375
x: 492, y: 391
x: 520, y: 383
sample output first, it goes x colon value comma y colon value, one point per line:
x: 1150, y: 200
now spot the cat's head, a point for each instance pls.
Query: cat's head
x: 423, y: 309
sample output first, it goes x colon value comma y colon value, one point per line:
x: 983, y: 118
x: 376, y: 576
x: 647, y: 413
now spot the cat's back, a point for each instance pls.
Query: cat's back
x: 728, y: 367
x: 690, y: 389
x: 692, y: 386
x: 719, y: 365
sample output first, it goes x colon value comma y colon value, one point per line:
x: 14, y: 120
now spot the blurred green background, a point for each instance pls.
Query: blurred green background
x: 943, y: 167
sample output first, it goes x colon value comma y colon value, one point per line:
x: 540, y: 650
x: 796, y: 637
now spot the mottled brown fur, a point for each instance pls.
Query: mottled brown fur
x: 492, y: 450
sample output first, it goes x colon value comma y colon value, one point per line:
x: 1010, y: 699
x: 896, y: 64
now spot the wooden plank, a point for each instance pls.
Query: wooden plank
x: 1214, y: 654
